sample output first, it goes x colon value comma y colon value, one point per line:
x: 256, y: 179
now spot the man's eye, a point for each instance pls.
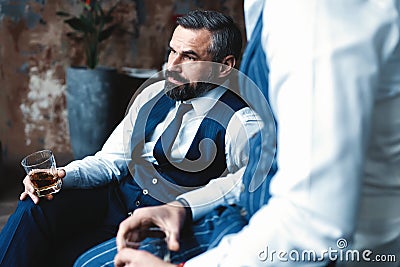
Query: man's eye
x: 189, y: 58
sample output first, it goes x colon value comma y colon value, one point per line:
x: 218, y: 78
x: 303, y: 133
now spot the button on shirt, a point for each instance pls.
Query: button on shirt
x: 113, y: 159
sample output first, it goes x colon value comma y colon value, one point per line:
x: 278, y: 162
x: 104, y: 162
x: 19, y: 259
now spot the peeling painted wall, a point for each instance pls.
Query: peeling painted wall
x: 35, y: 51
x: 42, y: 108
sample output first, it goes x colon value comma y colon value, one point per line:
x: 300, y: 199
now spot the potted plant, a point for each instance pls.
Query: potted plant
x: 92, y: 26
x: 96, y: 95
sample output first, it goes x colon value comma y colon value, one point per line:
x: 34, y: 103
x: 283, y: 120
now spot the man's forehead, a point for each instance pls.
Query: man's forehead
x: 190, y: 39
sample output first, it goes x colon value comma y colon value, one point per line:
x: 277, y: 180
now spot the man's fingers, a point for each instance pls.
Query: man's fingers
x: 61, y: 173
x: 49, y: 197
x: 29, y: 190
x: 173, y: 241
x: 123, y: 257
x: 162, y: 221
x: 122, y: 235
x: 27, y: 184
x: 127, y: 237
x: 139, y: 258
x: 23, y: 195
x: 34, y: 197
x: 132, y: 227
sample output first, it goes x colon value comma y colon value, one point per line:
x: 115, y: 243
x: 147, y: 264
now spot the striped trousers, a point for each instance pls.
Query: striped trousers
x: 196, y: 238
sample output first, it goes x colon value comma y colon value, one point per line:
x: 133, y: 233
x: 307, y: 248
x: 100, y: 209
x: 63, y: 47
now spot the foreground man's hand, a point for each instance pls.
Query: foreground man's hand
x: 169, y: 218
x: 30, y: 190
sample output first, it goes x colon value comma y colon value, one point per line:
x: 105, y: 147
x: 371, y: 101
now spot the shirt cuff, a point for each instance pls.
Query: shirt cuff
x: 188, y: 210
x: 220, y: 191
x: 71, y: 179
x: 199, y: 210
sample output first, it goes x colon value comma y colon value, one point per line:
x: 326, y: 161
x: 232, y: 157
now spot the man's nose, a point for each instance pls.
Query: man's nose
x: 174, y: 62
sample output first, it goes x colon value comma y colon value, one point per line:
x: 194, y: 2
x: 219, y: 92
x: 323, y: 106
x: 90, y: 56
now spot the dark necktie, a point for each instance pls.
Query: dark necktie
x: 169, y: 135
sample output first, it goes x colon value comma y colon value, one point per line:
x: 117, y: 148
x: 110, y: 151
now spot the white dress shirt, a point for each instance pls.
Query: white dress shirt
x: 335, y: 91
x: 112, y: 161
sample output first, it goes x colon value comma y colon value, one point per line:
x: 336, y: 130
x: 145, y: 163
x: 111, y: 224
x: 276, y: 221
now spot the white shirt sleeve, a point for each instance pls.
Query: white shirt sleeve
x: 244, y: 124
x: 220, y: 191
x: 111, y: 162
x: 324, y: 67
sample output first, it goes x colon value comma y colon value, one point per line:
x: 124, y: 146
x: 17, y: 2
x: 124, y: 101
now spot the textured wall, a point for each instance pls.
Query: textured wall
x: 35, y: 50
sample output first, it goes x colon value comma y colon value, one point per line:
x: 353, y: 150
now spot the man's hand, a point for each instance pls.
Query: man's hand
x: 30, y: 190
x: 169, y: 218
x: 138, y: 258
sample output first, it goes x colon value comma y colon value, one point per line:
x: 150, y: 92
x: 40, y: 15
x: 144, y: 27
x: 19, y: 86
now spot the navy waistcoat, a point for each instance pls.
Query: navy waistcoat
x: 205, y: 159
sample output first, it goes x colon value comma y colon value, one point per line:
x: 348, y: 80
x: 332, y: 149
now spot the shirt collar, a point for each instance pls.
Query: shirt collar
x: 204, y: 103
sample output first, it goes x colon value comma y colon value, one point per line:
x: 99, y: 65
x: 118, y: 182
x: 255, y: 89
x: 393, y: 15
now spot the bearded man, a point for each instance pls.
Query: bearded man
x: 178, y: 135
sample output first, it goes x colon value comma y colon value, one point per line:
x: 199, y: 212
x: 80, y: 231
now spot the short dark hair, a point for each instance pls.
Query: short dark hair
x: 226, y: 36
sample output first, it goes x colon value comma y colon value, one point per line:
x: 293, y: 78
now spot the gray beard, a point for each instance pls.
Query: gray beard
x: 187, y: 91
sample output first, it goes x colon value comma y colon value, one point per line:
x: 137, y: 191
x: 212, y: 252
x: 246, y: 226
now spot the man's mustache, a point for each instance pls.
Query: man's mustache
x: 175, y: 75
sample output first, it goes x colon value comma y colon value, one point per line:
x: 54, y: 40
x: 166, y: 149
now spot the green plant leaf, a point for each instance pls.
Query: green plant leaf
x: 87, y: 21
x: 78, y: 24
x: 99, y: 14
x: 105, y: 34
x: 89, y: 28
x: 63, y: 14
x: 92, y: 55
x: 98, y: 9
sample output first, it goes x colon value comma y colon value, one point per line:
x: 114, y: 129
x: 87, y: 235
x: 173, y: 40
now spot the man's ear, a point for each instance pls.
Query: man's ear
x: 228, y: 63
